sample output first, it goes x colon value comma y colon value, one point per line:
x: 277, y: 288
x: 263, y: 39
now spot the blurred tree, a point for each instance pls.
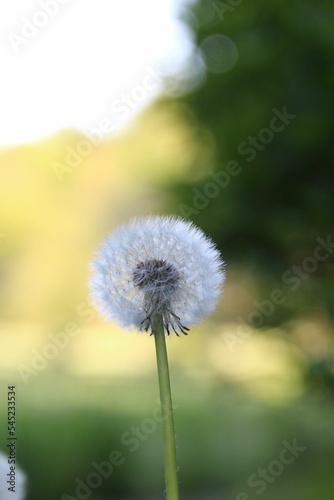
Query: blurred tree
x: 267, y: 195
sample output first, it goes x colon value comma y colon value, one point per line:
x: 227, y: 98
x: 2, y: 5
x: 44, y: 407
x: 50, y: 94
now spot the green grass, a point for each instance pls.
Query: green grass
x: 223, y: 437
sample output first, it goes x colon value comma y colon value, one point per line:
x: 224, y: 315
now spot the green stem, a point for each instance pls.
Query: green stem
x: 172, y: 490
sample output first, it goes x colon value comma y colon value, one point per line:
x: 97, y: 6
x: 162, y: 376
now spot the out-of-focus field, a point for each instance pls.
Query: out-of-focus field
x: 86, y: 388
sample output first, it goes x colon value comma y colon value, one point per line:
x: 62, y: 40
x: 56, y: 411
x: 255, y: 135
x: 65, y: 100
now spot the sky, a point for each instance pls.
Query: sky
x: 84, y: 64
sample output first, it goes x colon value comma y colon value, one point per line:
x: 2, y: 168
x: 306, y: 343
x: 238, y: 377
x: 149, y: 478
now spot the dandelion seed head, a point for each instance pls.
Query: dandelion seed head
x: 157, y: 265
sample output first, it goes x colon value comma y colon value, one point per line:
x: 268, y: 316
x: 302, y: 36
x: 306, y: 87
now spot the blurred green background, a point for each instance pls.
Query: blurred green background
x: 258, y: 376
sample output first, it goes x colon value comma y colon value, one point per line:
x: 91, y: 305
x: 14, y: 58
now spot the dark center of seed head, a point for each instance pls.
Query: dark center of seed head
x: 156, y: 273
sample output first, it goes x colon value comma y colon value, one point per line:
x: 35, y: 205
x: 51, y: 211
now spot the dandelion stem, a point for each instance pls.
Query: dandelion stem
x: 172, y: 490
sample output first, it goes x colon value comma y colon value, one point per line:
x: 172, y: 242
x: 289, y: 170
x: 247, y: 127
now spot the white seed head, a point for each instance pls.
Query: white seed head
x: 157, y: 265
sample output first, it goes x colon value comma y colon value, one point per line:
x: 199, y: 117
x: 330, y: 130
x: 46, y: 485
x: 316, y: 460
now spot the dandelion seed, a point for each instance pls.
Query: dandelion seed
x: 161, y: 266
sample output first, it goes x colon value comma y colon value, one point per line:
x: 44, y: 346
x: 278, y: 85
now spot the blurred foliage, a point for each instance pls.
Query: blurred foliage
x: 52, y: 220
x: 268, y: 216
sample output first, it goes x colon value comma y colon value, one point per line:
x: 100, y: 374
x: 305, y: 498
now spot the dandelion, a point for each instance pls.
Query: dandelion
x: 157, y: 265
x: 158, y: 274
